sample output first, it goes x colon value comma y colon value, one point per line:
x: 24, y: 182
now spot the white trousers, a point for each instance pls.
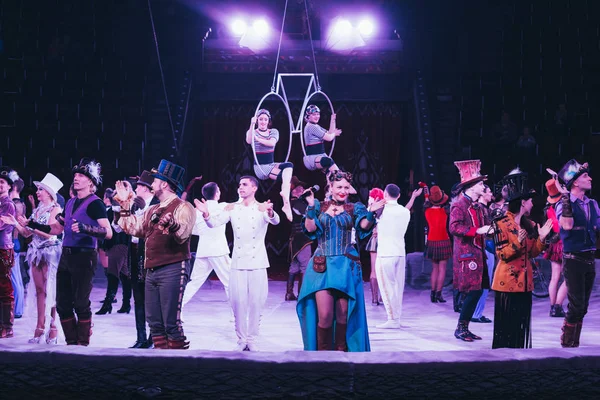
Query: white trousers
x: 248, y: 291
x: 391, y: 273
x: 203, y: 266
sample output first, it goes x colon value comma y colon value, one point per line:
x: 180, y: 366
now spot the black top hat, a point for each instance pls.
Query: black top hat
x: 89, y: 168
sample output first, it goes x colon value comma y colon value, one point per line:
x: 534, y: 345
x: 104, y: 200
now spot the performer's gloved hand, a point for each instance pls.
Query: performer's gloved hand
x: 138, y: 204
x: 40, y: 227
x: 95, y: 231
x: 60, y: 218
x: 167, y: 223
x: 567, y: 210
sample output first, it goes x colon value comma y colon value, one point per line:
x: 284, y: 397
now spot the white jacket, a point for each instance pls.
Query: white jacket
x: 212, y: 241
x: 249, y: 231
x: 391, y: 229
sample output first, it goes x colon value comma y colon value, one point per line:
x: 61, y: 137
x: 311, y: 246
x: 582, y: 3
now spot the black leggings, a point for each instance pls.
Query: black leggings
x: 469, y: 305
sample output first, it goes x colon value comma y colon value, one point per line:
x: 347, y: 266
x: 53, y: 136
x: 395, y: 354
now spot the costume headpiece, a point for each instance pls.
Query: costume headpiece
x: 50, y: 184
x: 470, y: 173
x: 89, y: 168
x: 171, y: 173
x: 571, y: 171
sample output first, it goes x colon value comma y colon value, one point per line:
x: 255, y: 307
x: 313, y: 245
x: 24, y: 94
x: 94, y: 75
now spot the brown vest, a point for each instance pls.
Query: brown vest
x: 163, y: 249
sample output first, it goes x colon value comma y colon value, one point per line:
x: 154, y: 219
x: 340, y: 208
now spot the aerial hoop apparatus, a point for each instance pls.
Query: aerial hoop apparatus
x: 278, y: 90
x: 300, y: 126
x: 291, y: 127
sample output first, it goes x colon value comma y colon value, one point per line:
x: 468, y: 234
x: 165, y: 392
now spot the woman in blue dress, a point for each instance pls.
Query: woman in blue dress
x: 331, y: 305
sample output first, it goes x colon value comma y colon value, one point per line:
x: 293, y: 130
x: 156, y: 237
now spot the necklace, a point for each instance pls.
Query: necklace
x: 337, y: 206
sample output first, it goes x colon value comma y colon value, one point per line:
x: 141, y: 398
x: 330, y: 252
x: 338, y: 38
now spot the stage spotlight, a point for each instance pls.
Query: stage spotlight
x: 342, y: 27
x: 238, y: 27
x: 261, y: 27
x: 366, y: 27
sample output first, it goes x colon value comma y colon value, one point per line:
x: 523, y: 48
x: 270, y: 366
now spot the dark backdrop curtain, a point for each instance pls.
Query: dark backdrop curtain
x: 375, y: 145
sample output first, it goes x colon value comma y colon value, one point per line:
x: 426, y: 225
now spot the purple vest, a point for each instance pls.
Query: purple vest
x: 73, y: 239
x: 7, y: 207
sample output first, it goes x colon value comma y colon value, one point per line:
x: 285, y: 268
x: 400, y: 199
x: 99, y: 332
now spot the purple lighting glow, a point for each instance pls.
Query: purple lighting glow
x: 238, y: 27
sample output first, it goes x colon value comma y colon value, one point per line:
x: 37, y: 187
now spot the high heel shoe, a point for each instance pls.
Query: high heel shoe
x: 125, y: 308
x: 53, y: 340
x: 37, y: 338
x: 106, y: 309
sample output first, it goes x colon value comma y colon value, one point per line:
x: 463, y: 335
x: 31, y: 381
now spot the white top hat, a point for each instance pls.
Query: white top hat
x: 50, y: 184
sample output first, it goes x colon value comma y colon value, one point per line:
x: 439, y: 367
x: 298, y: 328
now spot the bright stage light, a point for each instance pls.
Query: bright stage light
x: 238, y: 27
x: 342, y: 27
x: 261, y: 27
x: 366, y: 27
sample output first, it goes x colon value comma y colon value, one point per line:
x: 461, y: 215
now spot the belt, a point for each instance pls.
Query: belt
x: 586, y: 257
x: 77, y: 250
x: 314, y: 149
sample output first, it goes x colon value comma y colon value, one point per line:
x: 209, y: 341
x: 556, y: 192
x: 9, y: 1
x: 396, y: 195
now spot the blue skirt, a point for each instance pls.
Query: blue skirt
x: 344, y: 275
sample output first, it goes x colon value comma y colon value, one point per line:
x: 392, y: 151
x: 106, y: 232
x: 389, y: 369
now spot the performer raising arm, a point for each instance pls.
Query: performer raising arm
x: 265, y: 139
x: 166, y: 228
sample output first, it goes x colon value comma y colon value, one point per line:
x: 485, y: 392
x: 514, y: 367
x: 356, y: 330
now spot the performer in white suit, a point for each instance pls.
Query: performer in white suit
x: 248, y: 286
x: 391, y: 255
x: 213, y: 250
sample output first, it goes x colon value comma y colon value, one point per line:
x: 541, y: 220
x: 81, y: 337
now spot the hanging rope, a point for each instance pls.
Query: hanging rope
x: 311, y: 46
x: 279, y: 48
x: 162, y: 77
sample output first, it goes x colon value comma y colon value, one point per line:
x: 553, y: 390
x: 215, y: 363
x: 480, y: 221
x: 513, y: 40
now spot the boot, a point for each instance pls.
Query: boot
x: 126, y: 285
x: 289, y: 291
x: 7, y: 318
x: 140, y: 327
x: 149, y: 342
x: 324, y: 338
x: 111, y: 292
x: 160, y: 342
x: 433, y: 297
x: 462, y: 332
x: 567, y: 339
x: 340, y: 337
x: 178, y: 344
x: 300, y: 278
x: 438, y: 297
x: 374, y: 291
x: 577, y: 334
x: 84, y: 331
x: 69, y: 326
x: 556, y: 310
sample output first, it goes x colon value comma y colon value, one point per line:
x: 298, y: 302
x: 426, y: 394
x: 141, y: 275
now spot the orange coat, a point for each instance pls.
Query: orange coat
x: 514, y: 272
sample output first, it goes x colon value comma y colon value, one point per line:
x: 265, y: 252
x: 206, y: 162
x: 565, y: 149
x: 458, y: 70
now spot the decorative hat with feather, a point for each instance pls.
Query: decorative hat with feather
x: 571, y: 171
x: 91, y: 169
x: 9, y: 175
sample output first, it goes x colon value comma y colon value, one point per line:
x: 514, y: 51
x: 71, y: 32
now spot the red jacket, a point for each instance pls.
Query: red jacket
x: 469, y: 266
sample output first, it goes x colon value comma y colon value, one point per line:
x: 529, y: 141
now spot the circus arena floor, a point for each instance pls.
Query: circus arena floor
x: 420, y: 360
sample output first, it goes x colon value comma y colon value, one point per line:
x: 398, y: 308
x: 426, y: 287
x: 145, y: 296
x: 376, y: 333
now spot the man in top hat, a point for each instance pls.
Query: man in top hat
x: 144, y: 199
x: 7, y: 255
x: 299, y: 244
x: 83, y: 222
x: 213, y: 251
x: 166, y: 228
x: 467, y: 225
x: 248, y: 285
x: 579, y: 219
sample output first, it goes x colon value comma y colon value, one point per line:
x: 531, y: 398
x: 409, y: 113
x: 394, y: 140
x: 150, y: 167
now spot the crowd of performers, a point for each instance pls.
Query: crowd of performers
x: 141, y: 233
